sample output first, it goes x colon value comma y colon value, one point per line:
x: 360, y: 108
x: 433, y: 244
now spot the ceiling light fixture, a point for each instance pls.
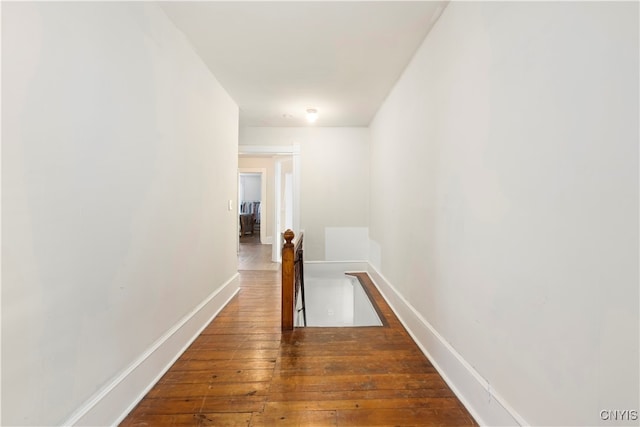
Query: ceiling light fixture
x: 312, y: 115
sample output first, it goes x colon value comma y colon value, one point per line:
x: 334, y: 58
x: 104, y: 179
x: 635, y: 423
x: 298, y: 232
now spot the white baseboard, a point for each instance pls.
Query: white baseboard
x: 267, y: 240
x: 112, y: 403
x: 470, y: 387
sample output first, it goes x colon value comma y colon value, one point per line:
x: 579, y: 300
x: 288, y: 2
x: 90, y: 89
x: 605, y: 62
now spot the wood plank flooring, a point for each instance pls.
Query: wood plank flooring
x: 255, y: 256
x: 242, y: 371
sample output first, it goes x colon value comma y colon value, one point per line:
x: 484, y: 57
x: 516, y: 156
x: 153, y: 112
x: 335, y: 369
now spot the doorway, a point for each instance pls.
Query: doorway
x: 279, y: 168
x: 250, y: 205
x: 253, y: 206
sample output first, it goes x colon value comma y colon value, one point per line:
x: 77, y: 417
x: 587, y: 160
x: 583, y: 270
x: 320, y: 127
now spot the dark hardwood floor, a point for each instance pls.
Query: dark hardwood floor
x: 242, y: 371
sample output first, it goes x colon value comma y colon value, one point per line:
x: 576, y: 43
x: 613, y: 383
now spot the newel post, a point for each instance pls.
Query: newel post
x: 288, y: 278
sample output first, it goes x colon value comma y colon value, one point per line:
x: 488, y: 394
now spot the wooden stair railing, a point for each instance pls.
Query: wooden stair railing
x: 292, y: 279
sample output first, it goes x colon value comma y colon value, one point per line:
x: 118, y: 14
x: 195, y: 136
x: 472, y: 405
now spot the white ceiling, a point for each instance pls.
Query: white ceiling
x: 276, y: 59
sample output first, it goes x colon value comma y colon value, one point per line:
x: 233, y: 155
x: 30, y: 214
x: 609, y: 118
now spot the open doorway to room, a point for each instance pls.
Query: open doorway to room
x: 254, y: 250
x: 250, y: 193
x: 278, y: 170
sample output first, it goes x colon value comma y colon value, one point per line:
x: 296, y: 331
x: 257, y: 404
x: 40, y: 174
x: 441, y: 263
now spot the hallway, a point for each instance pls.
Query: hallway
x: 243, y: 371
x: 255, y: 256
x: 479, y: 160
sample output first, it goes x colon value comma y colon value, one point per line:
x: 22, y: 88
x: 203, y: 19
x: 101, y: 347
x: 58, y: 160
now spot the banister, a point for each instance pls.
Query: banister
x: 292, y: 278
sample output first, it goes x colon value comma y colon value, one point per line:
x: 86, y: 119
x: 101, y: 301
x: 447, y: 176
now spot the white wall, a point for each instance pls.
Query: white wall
x: 250, y: 187
x: 119, y: 156
x: 334, y: 180
x: 520, y: 122
x: 271, y: 136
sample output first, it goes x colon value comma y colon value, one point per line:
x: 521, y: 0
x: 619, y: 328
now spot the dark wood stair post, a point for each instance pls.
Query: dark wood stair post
x: 288, y: 282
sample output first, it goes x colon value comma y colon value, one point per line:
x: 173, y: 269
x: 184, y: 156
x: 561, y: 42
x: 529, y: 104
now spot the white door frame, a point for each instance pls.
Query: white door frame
x: 275, y: 150
x: 276, y: 255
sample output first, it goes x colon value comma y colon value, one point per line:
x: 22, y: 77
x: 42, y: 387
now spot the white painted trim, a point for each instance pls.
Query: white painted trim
x: 268, y: 240
x: 296, y: 186
x: 111, y: 404
x: 474, y: 391
x: 276, y: 249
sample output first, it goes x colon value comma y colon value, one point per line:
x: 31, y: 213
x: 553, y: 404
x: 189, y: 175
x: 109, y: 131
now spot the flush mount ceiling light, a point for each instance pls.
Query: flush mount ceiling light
x: 312, y: 115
